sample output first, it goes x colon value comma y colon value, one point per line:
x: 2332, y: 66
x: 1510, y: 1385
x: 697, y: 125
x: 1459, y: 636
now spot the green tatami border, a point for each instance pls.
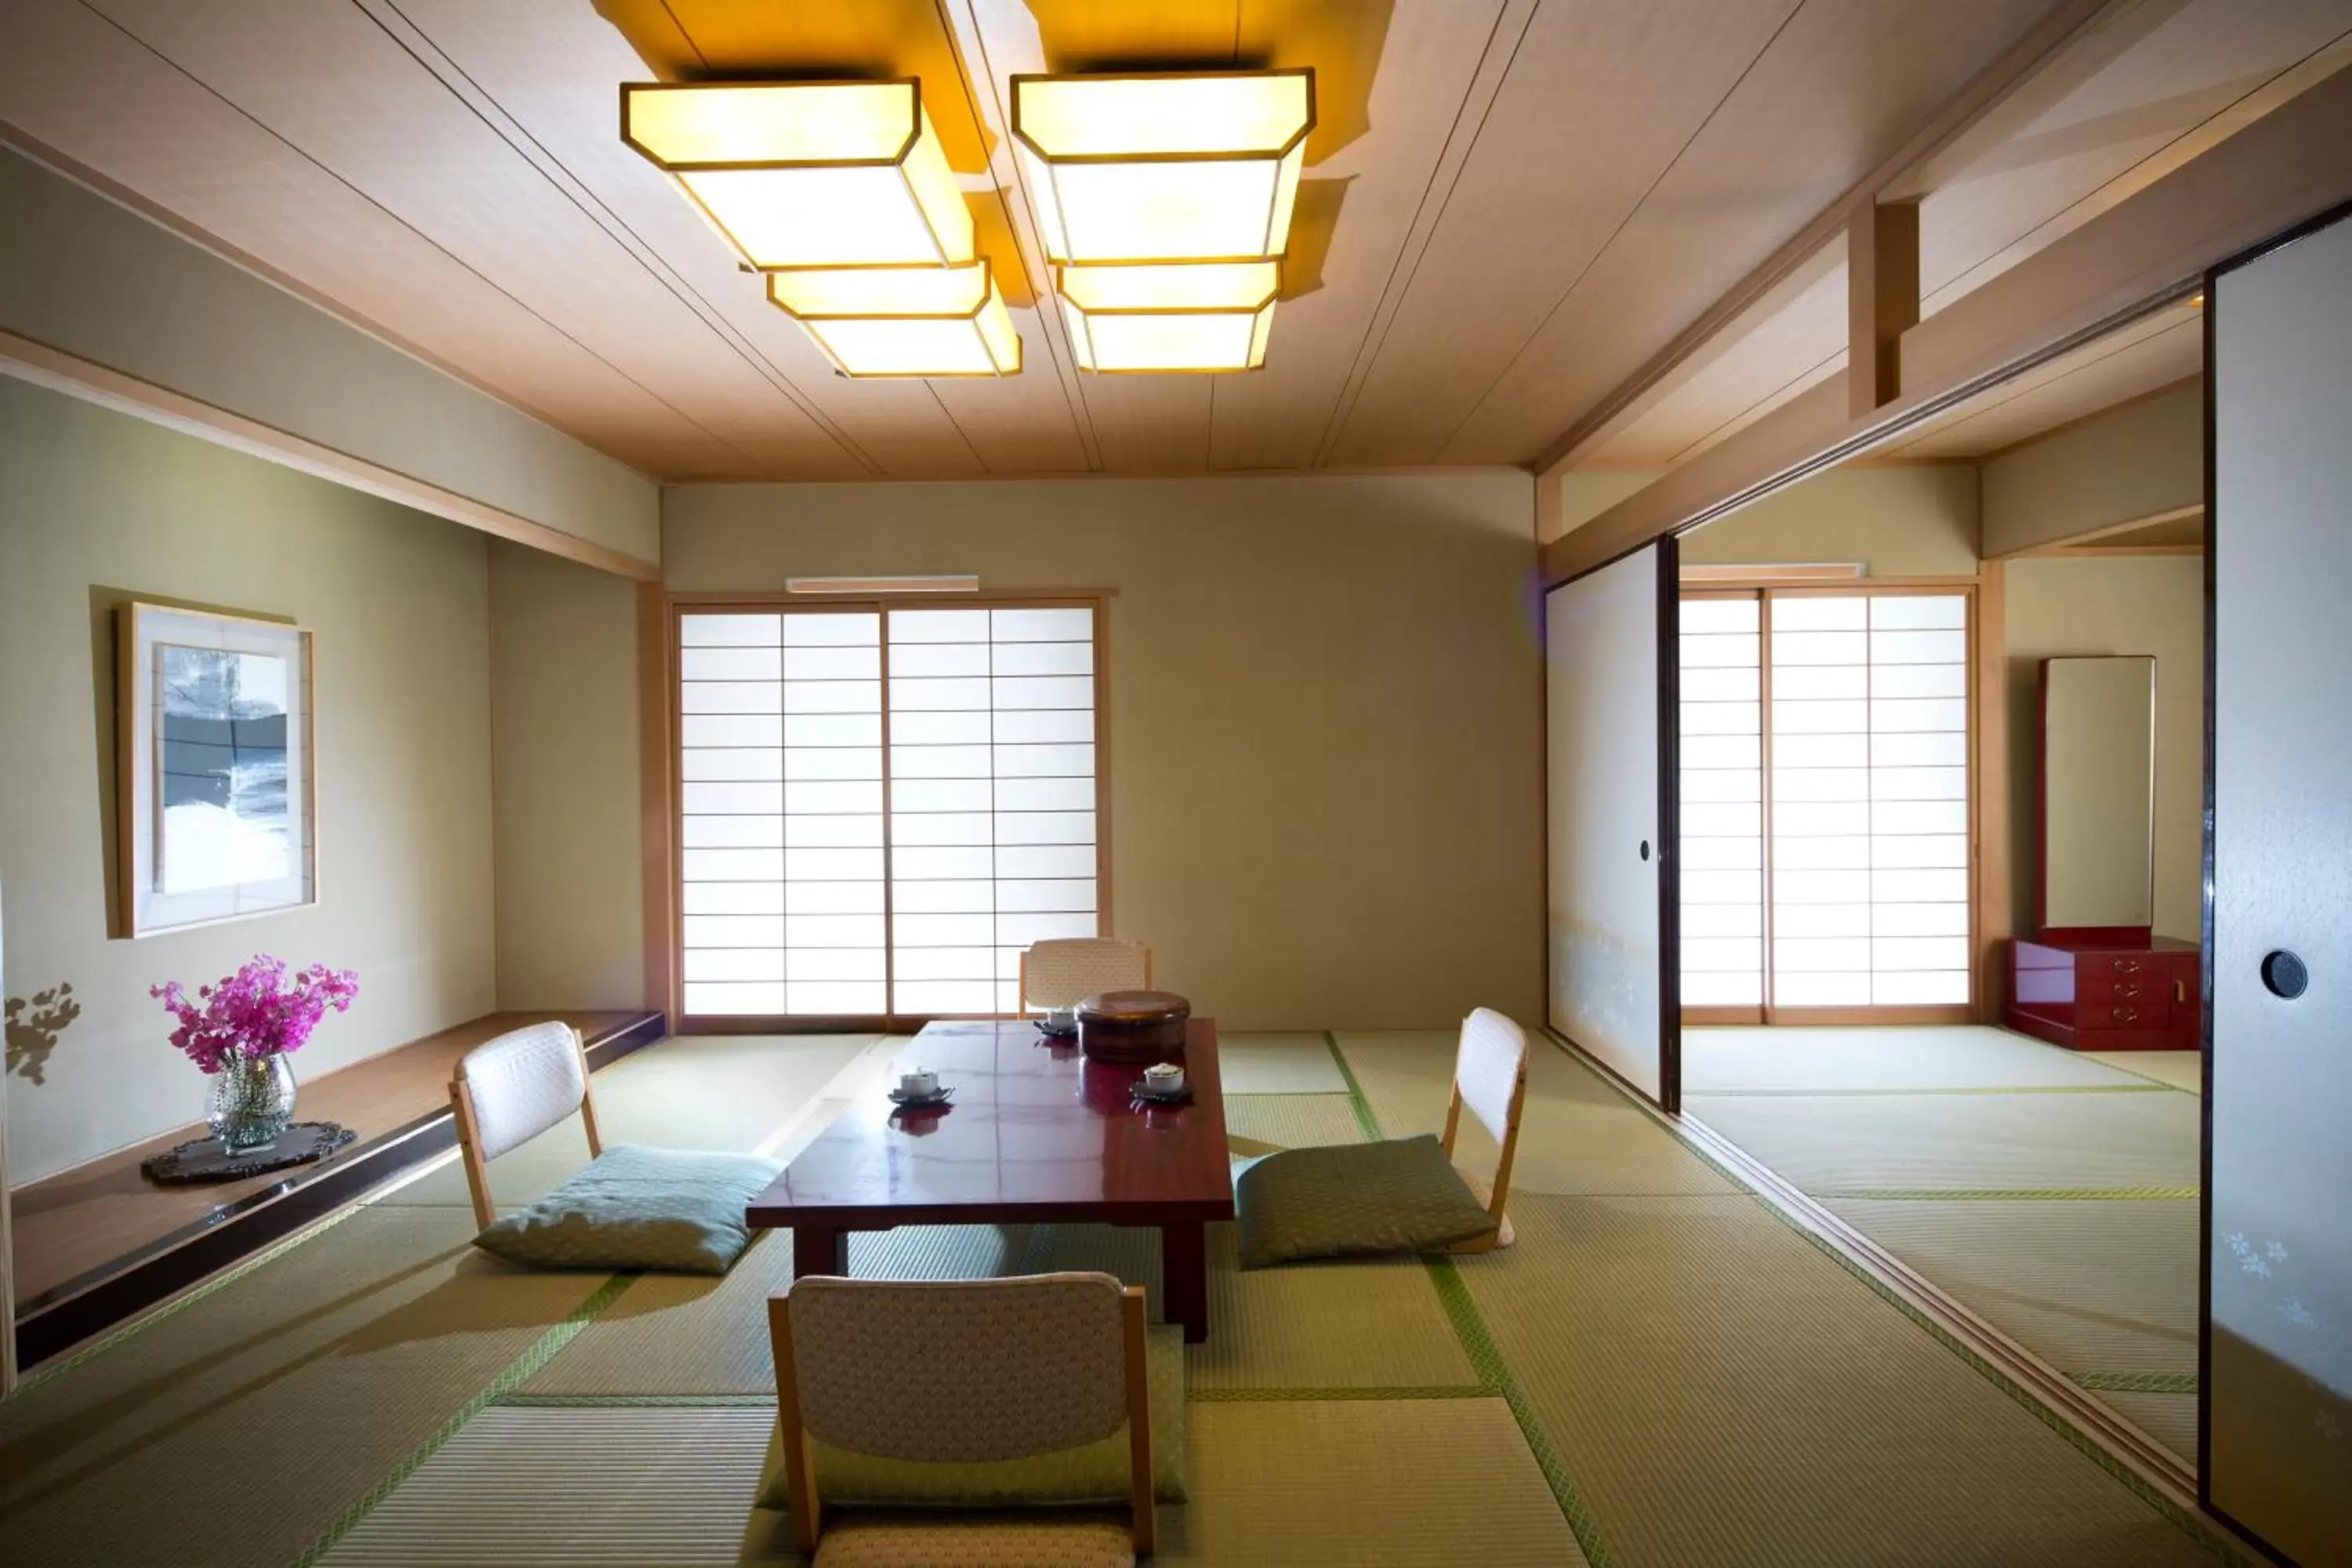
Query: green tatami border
x: 2022, y: 1194
x: 1494, y: 1371
x: 2147, y: 1086
x: 2135, y: 1381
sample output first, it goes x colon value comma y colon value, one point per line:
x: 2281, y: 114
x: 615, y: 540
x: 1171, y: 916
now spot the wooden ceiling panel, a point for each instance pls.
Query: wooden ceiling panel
x: 1598, y: 102
x: 1794, y: 348
x: 340, y: 83
x: 72, y: 82
x: 1344, y: 257
x: 1509, y: 206
x: 1841, y: 89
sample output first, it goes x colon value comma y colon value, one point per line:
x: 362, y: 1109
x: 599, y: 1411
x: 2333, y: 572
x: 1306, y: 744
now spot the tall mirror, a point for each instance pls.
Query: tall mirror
x: 2098, y: 795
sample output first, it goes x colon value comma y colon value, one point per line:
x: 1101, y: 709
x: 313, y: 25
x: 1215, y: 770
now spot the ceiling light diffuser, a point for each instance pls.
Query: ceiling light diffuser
x: 1164, y: 166
x: 807, y: 173
x: 887, y: 321
x: 1160, y: 316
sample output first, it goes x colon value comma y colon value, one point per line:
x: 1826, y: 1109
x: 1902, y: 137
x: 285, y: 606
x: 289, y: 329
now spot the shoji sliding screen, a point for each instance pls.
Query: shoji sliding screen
x: 881, y: 808
x: 1825, y: 806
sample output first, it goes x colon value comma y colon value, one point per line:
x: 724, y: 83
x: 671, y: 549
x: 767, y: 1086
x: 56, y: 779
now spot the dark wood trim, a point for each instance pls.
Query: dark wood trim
x: 1670, y: 882
x: 104, y: 1298
x: 2205, y: 959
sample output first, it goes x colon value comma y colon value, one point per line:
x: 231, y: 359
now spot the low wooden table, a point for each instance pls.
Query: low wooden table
x: 1036, y: 1135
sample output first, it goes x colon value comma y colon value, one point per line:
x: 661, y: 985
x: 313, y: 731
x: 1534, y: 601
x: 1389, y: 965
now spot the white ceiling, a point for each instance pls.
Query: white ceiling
x: 1512, y: 204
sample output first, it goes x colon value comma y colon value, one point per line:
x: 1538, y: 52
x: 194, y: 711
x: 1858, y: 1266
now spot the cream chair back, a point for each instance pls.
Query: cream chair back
x: 510, y: 1089
x: 1066, y: 970
x: 965, y: 1371
x: 1490, y: 1067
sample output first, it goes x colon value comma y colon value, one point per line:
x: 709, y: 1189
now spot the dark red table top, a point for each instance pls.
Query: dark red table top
x: 1036, y: 1134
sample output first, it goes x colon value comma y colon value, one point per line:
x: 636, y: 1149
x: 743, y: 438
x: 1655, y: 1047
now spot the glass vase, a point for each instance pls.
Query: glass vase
x: 251, y: 1101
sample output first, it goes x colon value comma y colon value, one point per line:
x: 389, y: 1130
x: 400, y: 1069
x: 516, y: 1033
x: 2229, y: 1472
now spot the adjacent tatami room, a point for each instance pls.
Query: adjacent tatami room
x: 1026, y: 781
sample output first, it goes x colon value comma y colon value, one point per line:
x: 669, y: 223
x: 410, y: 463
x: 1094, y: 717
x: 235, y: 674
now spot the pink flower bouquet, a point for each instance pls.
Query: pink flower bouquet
x: 255, y: 1013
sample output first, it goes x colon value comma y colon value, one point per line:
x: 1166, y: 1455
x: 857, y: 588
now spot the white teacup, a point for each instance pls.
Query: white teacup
x: 1163, y: 1078
x: 921, y: 1083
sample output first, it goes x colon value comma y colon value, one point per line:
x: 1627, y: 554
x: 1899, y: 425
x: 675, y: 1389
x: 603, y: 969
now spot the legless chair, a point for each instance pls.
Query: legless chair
x: 510, y: 1089
x: 1490, y: 1077
x: 1066, y: 970
x: 962, y: 1371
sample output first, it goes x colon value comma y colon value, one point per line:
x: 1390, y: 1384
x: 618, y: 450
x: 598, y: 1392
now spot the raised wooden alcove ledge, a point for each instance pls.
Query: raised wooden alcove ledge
x: 98, y: 1244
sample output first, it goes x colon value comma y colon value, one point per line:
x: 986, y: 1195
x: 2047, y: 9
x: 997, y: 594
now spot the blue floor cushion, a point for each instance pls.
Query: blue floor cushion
x: 1355, y: 1200
x: 665, y: 1210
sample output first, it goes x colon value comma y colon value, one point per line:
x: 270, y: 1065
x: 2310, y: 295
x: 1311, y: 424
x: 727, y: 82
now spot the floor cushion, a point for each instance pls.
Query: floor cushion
x: 1355, y: 1200
x: 667, y: 1211
x: 1093, y: 1472
x: 967, y: 1540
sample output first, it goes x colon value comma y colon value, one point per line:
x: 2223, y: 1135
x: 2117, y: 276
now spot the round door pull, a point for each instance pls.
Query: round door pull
x: 1645, y: 849
x: 2285, y: 975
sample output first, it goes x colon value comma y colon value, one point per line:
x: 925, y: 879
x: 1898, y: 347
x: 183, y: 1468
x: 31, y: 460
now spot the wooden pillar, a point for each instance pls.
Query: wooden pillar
x: 657, y: 820
x: 1993, y: 895
x: 1881, y: 261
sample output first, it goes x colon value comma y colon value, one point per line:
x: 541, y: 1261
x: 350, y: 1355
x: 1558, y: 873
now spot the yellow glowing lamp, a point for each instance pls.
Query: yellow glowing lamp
x: 836, y: 173
x: 1155, y: 316
x: 891, y: 321
x: 1164, y: 166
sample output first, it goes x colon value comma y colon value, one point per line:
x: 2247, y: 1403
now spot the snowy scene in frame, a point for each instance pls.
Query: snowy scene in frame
x: 216, y: 792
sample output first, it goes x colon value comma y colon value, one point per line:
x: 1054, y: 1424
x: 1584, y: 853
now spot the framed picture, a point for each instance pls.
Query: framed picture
x: 217, y: 791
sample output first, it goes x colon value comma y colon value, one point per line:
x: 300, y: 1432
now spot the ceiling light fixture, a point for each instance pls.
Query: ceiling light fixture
x: 1156, y: 315
x: 798, y: 174
x: 891, y: 321
x: 1163, y: 165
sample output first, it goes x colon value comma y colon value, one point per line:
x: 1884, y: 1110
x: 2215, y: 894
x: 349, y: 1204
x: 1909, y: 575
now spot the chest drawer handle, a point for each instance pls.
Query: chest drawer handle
x: 2126, y: 966
x: 2127, y: 988
x: 2124, y: 1015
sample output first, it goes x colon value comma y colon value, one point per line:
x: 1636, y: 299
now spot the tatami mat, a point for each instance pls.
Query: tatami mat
x: 1277, y: 1064
x: 692, y: 1092
x: 634, y: 1489
x: 689, y: 1335
x: 1352, y: 1325
x: 1578, y: 1135
x: 1129, y: 1253
x: 1292, y: 1121
x: 232, y: 1432
x: 2181, y: 1069
x: 1880, y: 1059
x: 2093, y: 1286
x: 1876, y: 1144
x: 1440, y: 1482
x: 1721, y: 1390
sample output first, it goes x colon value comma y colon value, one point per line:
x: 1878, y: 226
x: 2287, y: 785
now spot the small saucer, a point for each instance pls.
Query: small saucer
x: 905, y: 1101
x: 1176, y: 1096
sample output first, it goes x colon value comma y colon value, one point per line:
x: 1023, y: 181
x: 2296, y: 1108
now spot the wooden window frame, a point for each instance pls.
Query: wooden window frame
x: 1764, y: 590
x: 676, y: 607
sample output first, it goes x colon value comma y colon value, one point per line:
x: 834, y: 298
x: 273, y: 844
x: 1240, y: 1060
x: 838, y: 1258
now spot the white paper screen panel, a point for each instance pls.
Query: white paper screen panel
x: 1722, y: 802
x: 1869, y: 852
x: 880, y: 809
x: 992, y: 827
x: 781, y: 824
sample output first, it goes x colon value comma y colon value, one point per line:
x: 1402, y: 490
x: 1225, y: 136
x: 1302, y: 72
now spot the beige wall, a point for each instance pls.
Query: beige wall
x: 96, y: 507
x: 81, y: 274
x: 563, y: 704
x: 1898, y: 522
x: 2139, y: 605
x: 1325, y: 772
x: 2134, y: 461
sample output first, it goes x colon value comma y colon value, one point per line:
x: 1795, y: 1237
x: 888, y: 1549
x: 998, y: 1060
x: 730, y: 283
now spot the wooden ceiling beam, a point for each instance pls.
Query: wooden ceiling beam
x: 1882, y: 273
x: 1813, y: 250
x: 2147, y: 251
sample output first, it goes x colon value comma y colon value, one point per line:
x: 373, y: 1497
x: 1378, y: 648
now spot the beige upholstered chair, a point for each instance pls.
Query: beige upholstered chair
x: 964, y: 1371
x: 1490, y: 1077
x: 510, y: 1089
x: 1067, y: 970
